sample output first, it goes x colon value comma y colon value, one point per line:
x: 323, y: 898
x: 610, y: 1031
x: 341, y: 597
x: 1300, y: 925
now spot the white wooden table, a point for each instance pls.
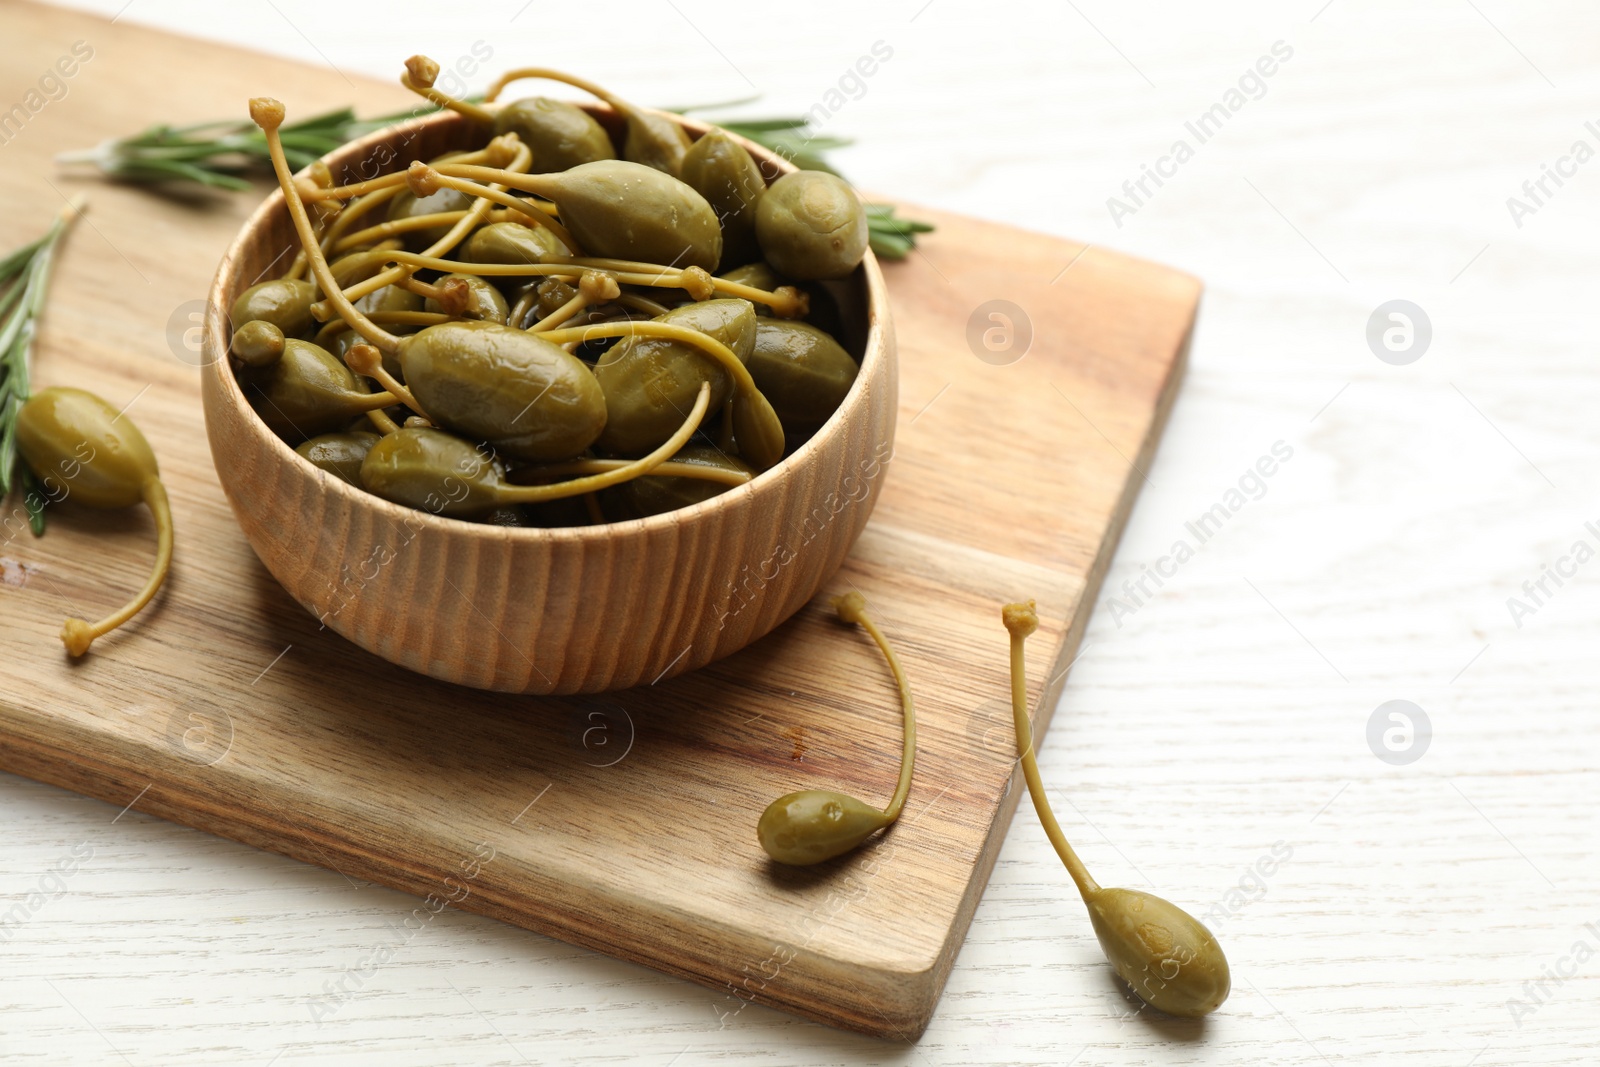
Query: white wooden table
x: 1431, y: 907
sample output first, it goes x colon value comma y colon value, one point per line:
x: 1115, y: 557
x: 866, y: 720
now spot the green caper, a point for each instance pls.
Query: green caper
x: 258, y: 343
x: 284, y: 302
x: 813, y: 825
x: 309, y: 392
x: 520, y: 393
x: 801, y: 371
x: 655, y: 141
x: 434, y: 471
x: 1167, y: 955
x: 391, y: 298
x: 485, y: 301
x: 621, y: 210
x: 650, y: 382
x: 340, y: 454
x: 73, y: 439
x: 719, y: 169
x: 811, y: 225
x: 560, y: 136
x: 511, y: 242
x: 655, y: 494
x: 818, y: 824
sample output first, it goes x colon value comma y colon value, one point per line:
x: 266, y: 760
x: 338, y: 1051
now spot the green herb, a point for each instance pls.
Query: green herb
x: 222, y: 155
x: 24, y: 276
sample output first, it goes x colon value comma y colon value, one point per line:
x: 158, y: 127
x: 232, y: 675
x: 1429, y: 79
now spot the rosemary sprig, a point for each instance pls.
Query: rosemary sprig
x: 24, y: 278
x: 222, y: 155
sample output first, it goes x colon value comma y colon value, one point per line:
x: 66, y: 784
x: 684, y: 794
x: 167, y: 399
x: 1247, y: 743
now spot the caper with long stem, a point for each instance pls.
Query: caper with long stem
x: 813, y: 825
x: 1162, y: 951
x: 653, y: 140
x: 73, y: 438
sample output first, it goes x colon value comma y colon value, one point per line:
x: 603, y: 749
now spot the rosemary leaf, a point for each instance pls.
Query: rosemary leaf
x: 26, y: 275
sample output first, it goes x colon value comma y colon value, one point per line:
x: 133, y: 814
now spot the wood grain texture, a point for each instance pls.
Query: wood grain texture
x: 517, y: 610
x: 622, y: 822
x: 1190, y: 736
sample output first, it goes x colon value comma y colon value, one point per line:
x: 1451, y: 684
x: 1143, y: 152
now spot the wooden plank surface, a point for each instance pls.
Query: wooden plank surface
x: 624, y: 822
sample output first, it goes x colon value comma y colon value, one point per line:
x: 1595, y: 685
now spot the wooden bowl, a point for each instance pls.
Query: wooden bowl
x: 577, y: 610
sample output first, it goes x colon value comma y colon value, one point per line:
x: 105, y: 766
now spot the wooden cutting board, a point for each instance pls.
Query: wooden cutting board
x: 623, y: 822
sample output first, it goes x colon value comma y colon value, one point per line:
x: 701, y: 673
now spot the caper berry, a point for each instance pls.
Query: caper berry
x: 801, y: 371
x: 340, y: 454
x: 72, y: 438
x: 560, y: 136
x: 284, y: 302
x: 648, y: 383
x: 1167, y: 956
x: 719, y: 169
x: 811, y: 225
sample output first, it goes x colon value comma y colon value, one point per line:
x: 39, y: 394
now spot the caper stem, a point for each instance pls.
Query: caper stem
x: 521, y: 159
x: 670, y: 469
x: 594, y: 287
x: 77, y: 634
x: 393, y: 318
x: 576, y: 303
x: 410, y: 80
x: 532, y: 494
x: 852, y: 607
x: 364, y: 359
x: 393, y: 182
x: 627, y: 272
x: 1021, y: 620
x: 621, y: 106
x: 356, y: 210
x: 382, y: 422
x: 309, y: 192
x: 642, y: 303
x: 268, y: 114
x: 396, y: 226
x: 449, y: 179
x: 786, y: 301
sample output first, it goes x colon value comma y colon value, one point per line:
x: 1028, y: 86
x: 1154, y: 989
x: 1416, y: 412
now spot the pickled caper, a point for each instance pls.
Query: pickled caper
x: 72, y: 438
x: 813, y: 825
x: 811, y: 225
x: 1167, y: 956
